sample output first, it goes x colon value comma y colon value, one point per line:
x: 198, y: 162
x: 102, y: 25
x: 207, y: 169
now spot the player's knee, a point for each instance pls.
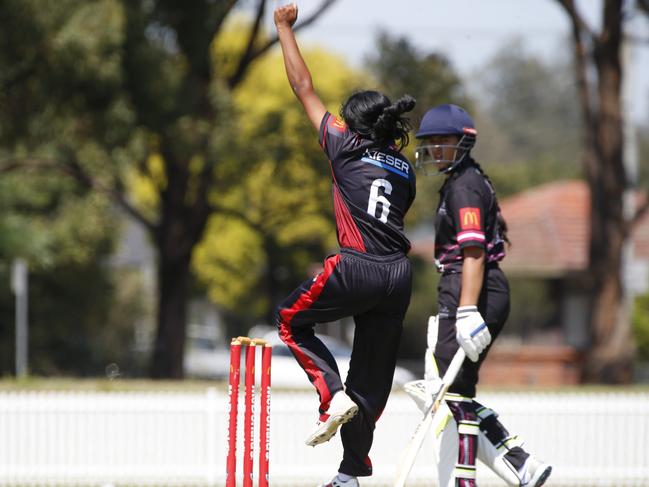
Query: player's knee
x: 283, y: 331
x: 278, y: 317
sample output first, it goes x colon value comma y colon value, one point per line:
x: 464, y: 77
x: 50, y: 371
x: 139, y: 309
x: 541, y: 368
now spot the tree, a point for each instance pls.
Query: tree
x: 532, y: 104
x: 528, y: 119
x: 643, y: 155
x: 134, y: 82
x: 599, y: 73
x: 401, y: 68
x: 65, y: 233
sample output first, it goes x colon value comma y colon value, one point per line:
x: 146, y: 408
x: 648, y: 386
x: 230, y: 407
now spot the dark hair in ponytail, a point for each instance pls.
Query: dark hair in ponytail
x: 372, y: 115
x: 500, y: 219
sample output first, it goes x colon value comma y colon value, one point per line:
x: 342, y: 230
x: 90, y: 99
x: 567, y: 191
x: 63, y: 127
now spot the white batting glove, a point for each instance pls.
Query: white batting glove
x: 471, y: 331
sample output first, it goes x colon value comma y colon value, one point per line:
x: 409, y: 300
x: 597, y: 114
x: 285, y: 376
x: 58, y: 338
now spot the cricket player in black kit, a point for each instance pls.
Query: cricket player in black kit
x: 370, y: 279
x: 473, y: 305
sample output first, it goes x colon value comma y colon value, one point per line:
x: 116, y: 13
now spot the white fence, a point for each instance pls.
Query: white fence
x: 77, y: 438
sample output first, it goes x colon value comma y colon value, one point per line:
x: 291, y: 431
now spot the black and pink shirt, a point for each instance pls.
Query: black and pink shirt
x: 373, y: 188
x: 467, y: 216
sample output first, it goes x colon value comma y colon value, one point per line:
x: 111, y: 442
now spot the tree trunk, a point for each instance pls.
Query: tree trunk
x: 182, y: 224
x: 611, y: 357
x: 271, y: 283
x: 173, y: 286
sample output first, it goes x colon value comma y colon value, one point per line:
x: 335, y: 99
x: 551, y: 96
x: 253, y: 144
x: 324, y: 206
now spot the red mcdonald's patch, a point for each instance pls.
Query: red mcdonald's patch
x: 470, y: 218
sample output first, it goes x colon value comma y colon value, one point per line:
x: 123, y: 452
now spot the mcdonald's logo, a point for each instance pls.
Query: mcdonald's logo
x: 470, y: 218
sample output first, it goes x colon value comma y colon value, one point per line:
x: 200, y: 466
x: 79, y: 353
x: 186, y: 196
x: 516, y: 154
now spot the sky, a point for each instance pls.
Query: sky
x: 469, y: 32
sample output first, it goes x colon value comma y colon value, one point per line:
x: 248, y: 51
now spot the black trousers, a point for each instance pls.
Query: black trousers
x: 375, y: 290
x: 494, y: 308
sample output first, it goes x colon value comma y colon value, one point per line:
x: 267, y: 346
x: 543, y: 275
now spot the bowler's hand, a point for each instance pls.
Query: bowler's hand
x: 286, y: 15
x: 471, y: 331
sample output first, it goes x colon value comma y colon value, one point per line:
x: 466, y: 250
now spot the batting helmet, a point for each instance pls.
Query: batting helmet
x: 445, y: 120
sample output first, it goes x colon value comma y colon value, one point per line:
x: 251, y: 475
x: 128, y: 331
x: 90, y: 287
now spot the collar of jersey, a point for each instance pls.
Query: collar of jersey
x: 457, y: 171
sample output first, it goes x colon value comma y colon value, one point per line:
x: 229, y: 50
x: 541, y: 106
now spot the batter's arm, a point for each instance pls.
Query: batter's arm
x: 472, y: 275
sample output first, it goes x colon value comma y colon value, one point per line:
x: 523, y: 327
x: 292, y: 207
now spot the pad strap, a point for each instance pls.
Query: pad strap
x: 453, y: 397
x: 510, y: 442
x: 464, y: 472
x: 494, y: 430
x: 468, y: 428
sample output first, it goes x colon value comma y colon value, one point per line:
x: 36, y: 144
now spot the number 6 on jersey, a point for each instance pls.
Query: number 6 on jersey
x: 376, y: 198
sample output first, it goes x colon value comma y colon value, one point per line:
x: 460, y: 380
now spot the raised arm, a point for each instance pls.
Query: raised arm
x: 297, y: 72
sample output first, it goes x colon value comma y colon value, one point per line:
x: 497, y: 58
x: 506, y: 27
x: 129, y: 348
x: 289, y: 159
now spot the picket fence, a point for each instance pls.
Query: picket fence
x: 172, y: 439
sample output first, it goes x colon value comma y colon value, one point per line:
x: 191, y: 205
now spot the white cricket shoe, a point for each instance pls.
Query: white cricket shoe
x: 336, y: 482
x: 341, y: 410
x: 534, y: 473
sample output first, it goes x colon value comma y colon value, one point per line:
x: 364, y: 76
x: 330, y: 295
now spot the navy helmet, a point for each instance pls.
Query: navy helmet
x: 445, y: 119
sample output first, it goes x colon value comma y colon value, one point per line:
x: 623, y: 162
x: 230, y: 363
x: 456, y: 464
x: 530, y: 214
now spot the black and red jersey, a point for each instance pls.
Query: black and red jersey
x: 467, y: 216
x: 373, y: 188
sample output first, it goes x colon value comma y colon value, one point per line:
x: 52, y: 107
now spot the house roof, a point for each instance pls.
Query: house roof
x: 549, y: 230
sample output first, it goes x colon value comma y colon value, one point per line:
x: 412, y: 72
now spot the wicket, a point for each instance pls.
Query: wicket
x: 248, y: 422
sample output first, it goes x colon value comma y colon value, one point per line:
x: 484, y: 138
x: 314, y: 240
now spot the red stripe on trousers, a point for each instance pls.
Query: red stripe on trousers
x: 304, y: 302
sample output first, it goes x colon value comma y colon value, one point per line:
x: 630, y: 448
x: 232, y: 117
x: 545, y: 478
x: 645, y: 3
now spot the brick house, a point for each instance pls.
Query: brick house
x: 548, y: 228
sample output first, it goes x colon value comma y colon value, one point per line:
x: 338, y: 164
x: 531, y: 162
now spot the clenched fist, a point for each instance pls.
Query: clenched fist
x: 286, y: 15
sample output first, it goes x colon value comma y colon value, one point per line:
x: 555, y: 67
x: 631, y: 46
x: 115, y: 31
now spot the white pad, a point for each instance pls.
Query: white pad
x: 496, y: 461
x: 447, y: 449
x: 493, y: 456
x: 446, y: 436
x: 446, y: 442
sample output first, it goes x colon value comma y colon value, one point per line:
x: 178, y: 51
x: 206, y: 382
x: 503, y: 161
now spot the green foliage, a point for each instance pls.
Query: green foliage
x: 68, y: 325
x: 64, y: 233
x: 60, y: 74
x: 640, y: 324
x: 400, y: 68
x: 93, y: 33
x: 60, y: 93
x: 51, y: 222
x: 60, y: 87
x: 230, y: 262
x: 532, y: 116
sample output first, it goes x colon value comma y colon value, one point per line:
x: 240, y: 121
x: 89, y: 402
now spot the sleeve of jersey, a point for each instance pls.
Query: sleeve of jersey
x: 332, y: 134
x: 468, y: 217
